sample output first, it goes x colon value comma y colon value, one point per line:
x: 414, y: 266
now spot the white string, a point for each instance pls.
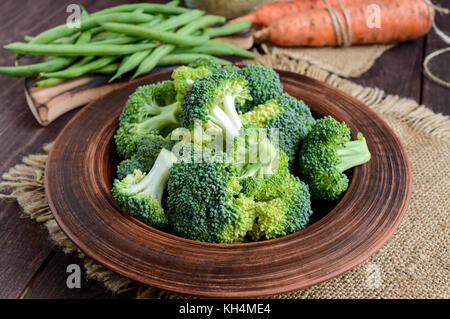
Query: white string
x: 443, y: 37
x: 343, y: 35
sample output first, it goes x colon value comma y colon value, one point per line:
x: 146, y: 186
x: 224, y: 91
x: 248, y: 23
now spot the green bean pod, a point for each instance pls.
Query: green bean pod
x: 152, y: 34
x: 55, y: 64
x: 152, y: 60
x: 228, y: 29
x: 217, y: 48
x: 186, y: 58
x: 88, y: 23
x: 82, y: 69
x: 77, y: 49
x: 153, y: 8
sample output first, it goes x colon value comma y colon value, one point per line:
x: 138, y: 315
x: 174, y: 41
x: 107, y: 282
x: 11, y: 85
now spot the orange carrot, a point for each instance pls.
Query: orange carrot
x: 400, y: 20
x: 265, y: 14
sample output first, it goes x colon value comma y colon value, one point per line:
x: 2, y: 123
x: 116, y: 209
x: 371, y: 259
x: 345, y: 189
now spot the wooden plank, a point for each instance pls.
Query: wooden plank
x: 434, y: 95
x: 51, y: 282
x: 397, y: 71
x: 24, y: 244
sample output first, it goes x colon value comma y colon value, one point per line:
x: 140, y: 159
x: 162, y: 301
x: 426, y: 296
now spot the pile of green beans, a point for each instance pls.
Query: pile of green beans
x: 124, y: 38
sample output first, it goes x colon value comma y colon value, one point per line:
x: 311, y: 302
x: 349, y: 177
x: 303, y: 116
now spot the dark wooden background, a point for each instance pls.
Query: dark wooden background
x: 30, y: 265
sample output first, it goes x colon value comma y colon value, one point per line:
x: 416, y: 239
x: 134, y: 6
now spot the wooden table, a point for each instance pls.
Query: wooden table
x: 30, y: 265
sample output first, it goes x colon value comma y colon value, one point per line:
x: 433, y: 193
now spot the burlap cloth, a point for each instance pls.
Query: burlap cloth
x: 413, y: 264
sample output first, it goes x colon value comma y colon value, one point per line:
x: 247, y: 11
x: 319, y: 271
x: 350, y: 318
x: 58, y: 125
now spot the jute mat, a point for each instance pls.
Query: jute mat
x: 348, y: 62
x: 413, y: 264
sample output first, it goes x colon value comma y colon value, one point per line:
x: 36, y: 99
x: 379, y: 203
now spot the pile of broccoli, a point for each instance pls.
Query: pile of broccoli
x: 248, y: 191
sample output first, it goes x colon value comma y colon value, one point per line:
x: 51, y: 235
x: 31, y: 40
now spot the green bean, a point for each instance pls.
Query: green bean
x: 152, y: 34
x: 109, y: 69
x: 152, y: 60
x: 83, y: 69
x: 147, y: 7
x: 88, y: 23
x: 77, y: 49
x: 186, y: 58
x: 49, y: 66
x: 227, y: 29
x: 49, y: 82
x: 172, y: 23
x: 116, y: 40
x: 217, y: 48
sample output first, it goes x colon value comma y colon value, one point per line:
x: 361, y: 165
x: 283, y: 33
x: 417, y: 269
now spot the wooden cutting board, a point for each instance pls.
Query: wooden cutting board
x: 48, y: 103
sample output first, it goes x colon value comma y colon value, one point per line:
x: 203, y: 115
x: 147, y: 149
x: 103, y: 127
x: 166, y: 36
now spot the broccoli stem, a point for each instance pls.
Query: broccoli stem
x: 230, y: 110
x: 155, y: 181
x: 166, y: 118
x: 219, y: 117
x: 226, y: 116
x: 354, y: 153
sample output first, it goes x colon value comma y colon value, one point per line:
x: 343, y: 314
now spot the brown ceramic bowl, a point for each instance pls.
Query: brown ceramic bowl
x: 82, y: 164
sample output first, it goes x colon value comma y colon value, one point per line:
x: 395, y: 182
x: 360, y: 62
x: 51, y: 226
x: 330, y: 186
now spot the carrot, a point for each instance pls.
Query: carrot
x: 400, y: 20
x: 265, y: 14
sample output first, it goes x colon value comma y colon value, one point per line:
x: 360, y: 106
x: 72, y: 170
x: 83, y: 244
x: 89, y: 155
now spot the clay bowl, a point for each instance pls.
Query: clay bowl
x: 81, y: 168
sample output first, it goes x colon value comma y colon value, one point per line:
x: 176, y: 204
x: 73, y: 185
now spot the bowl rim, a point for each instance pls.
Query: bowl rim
x: 85, y: 248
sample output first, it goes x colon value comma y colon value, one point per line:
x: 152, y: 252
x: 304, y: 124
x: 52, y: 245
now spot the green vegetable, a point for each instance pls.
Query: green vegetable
x: 147, y: 149
x: 290, y: 116
x: 153, y: 8
x: 263, y: 83
x: 204, y: 203
x: 141, y: 195
x: 85, y: 24
x: 187, y: 58
x: 228, y: 29
x: 150, y: 110
x: 135, y: 59
x: 184, y: 76
x: 326, y: 153
x: 152, y: 60
x: 213, y: 100
x: 82, y: 69
x: 217, y: 48
x: 51, y: 65
x: 151, y: 34
x: 77, y: 49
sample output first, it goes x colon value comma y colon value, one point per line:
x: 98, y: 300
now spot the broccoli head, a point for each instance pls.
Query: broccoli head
x: 290, y: 116
x: 263, y: 84
x: 150, y: 110
x: 148, y: 147
x: 326, y: 153
x: 141, y: 195
x: 184, y: 76
x: 283, y: 207
x: 213, y: 99
x: 206, y: 62
x: 204, y: 203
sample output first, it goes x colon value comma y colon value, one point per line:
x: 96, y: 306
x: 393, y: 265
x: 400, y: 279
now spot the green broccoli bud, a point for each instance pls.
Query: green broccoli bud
x: 214, y: 99
x: 263, y: 85
x: 326, y: 153
x: 141, y: 195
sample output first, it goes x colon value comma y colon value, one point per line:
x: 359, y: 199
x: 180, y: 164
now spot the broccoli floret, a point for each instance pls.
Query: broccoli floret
x: 284, y: 209
x: 141, y: 195
x: 263, y: 84
x: 151, y: 110
x: 206, y: 62
x: 204, y: 203
x: 147, y: 101
x: 326, y: 153
x: 290, y: 116
x: 148, y: 147
x: 128, y: 166
x: 213, y: 99
x: 183, y: 78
